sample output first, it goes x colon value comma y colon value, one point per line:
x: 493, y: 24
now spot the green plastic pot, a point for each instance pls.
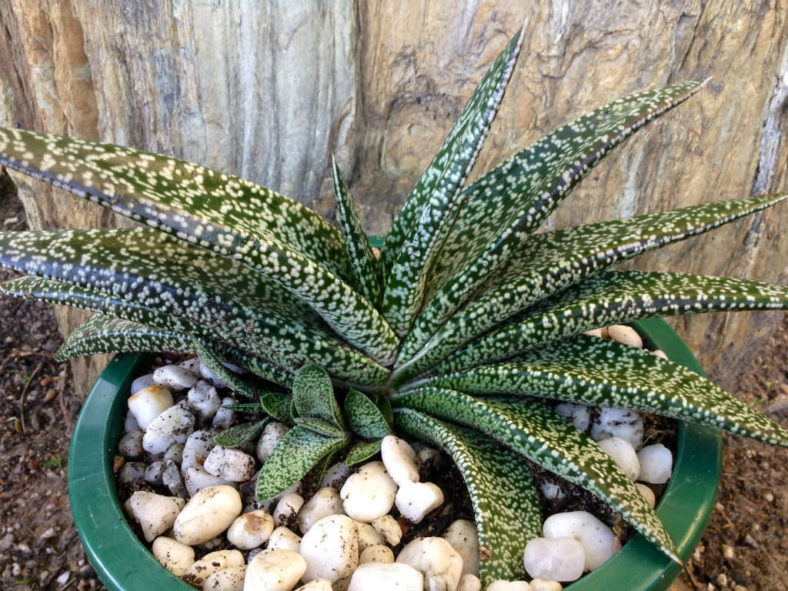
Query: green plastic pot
x: 124, y: 563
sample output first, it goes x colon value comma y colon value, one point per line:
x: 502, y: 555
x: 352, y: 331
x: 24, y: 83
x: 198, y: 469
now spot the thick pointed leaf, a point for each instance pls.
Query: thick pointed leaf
x: 362, y: 451
x: 557, y: 259
x: 505, y: 501
x: 298, y: 452
x: 234, y: 381
x: 313, y: 396
x: 320, y: 427
x: 364, y: 417
x: 237, y: 435
x: 506, y: 205
x: 544, y: 437
x: 193, y: 204
x: 244, y: 407
x: 366, y: 269
x: 616, y: 297
x: 420, y: 229
x: 601, y: 372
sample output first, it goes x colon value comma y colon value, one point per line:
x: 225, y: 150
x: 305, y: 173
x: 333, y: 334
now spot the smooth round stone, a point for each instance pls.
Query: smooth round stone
x: 623, y: 454
x: 149, y: 403
x: 330, y: 549
x: 598, y: 540
x: 400, y: 460
x: 207, y: 514
x: 545, y: 585
x: 211, y: 563
x: 195, y: 478
x: 197, y: 447
x: 174, y: 425
x: 175, y: 377
x: 656, y: 464
x: 336, y: 475
x: 376, y: 553
x: 154, y: 513
x: 323, y: 503
x: 224, y: 417
x: 287, y: 508
x: 380, y: 576
x: 130, y: 423
x: 369, y: 493
x: 203, y: 400
x: 132, y: 473
x: 552, y: 491
x: 557, y: 559
x: 283, y: 538
x: 274, y: 570
x: 415, y: 500
x: 317, y: 585
x: 618, y: 422
x: 389, y: 528
x: 192, y: 364
x: 227, y: 579
x: 174, y: 556
x: 130, y: 444
x: 367, y: 536
x: 464, y: 538
x: 469, y: 582
x: 577, y: 414
x: 141, y: 383
x: 626, y: 335
x: 154, y: 472
x: 175, y: 453
x: 250, y: 530
x: 501, y: 585
x: 229, y: 464
x: 435, y: 558
x: 270, y: 437
x: 647, y: 493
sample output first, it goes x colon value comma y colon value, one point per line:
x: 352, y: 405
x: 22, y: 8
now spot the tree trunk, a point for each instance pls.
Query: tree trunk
x: 270, y: 90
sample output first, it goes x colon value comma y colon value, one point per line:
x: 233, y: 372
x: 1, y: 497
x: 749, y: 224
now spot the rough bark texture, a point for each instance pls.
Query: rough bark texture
x: 270, y: 90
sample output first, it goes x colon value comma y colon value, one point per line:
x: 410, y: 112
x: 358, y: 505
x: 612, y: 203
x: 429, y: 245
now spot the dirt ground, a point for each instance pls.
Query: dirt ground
x: 743, y: 548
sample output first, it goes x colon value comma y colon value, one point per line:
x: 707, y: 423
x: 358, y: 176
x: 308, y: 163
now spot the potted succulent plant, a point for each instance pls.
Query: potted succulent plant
x: 454, y: 336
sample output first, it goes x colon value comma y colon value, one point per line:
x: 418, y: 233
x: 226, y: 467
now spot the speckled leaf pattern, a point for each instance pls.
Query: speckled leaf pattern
x: 557, y: 259
x: 244, y: 407
x: 364, y: 417
x: 237, y: 435
x: 277, y: 405
x: 544, y: 437
x: 320, y: 426
x: 616, y: 297
x: 420, y: 229
x: 505, y: 501
x: 600, y: 372
x: 366, y: 269
x: 299, y: 451
x: 214, y: 363
x: 362, y: 452
x: 313, y: 396
x: 507, y: 204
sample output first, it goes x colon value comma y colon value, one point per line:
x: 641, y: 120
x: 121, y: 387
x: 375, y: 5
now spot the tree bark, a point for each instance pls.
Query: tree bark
x: 270, y: 90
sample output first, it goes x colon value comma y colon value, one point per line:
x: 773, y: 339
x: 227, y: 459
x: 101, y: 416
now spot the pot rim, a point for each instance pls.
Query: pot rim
x: 124, y: 563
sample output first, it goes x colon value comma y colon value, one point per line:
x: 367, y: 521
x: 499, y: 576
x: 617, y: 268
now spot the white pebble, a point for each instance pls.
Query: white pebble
x: 435, y: 558
x: 469, y: 582
x: 336, y: 475
x: 274, y: 570
x: 577, y: 414
x: 250, y: 530
x: 647, y: 493
x: 141, y: 383
x: 283, y: 538
x: 656, y: 464
x: 287, y: 508
x: 618, y: 422
x: 211, y: 563
x: 598, y: 540
x: 130, y: 444
x: 207, y: 514
x: 174, y: 556
x: 389, y: 528
x: 463, y: 537
x: 227, y: 579
x: 130, y: 423
x: 386, y: 577
x: 224, y: 417
x: 175, y: 377
x: 229, y: 464
x: 626, y: 335
x: 317, y: 585
x: 203, y: 399
x: 367, y: 536
x: 369, y: 493
x: 552, y: 491
x: 416, y: 499
x: 594, y: 332
x: 659, y: 353
x: 175, y: 453
x: 545, y: 585
x: 197, y: 447
x: 325, y: 502
x: 376, y: 553
x: 501, y: 585
x: 154, y: 513
x: 271, y: 436
x: 195, y: 478
x: 400, y: 460
x: 623, y: 454
x: 172, y: 426
x: 149, y: 403
x: 330, y: 549
x: 557, y: 559
x: 132, y: 473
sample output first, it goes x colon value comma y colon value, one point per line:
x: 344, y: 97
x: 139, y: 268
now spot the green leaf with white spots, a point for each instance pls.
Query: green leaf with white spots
x: 320, y: 426
x: 237, y: 435
x: 362, y: 451
x: 234, y: 381
x: 557, y: 259
x: 615, y: 297
x: 297, y: 453
x: 313, y: 396
x: 367, y: 271
x: 540, y: 434
x: 426, y: 218
x: 503, y: 207
x: 364, y: 417
x: 277, y: 405
x: 505, y: 501
x: 244, y: 407
x: 600, y: 372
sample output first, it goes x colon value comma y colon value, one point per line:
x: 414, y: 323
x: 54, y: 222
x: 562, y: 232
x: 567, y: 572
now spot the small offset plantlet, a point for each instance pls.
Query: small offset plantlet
x: 455, y: 336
